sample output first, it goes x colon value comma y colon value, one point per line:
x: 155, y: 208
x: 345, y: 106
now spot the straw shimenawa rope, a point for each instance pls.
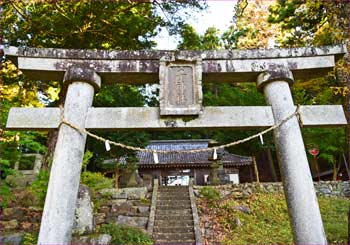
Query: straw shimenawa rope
x: 297, y: 113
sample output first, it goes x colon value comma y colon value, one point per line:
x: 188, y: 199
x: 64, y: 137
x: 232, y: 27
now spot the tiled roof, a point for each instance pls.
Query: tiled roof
x: 188, y: 159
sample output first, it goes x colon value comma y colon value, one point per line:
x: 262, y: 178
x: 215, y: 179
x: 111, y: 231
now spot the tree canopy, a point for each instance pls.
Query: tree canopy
x: 131, y: 25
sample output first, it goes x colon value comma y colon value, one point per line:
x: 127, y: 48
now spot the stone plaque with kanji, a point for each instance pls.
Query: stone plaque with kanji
x: 180, y: 86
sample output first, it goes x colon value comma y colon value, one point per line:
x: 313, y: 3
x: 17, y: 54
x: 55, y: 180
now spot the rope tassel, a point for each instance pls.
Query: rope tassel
x: 155, y: 156
x: 261, y: 139
x: 107, y: 145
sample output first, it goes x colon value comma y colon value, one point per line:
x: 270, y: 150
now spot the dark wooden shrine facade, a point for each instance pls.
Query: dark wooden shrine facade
x: 195, y: 165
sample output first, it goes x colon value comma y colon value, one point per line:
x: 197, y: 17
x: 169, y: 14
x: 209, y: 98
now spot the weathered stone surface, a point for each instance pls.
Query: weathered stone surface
x: 19, y: 180
x: 94, y: 239
x: 237, y: 221
x: 136, y: 66
x: 243, y: 209
x: 81, y: 240
x: 24, y: 226
x: 100, y: 218
x: 9, y: 225
x: 303, y: 209
x: 323, y: 188
x: 103, y: 239
x: 131, y: 193
x: 13, y: 214
x: 143, y: 210
x: 274, y: 74
x: 84, y: 218
x: 30, y: 200
x: 148, y: 118
x: 124, y: 208
x: 136, y: 193
x: 104, y: 209
x: 38, y: 158
x: 140, y: 222
x: 120, y: 195
x: 117, y: 201
x: 74, y: 74
x: 58, y: 215
x: 180, y: 86
x: 11, y: 51
x: 11, y: 239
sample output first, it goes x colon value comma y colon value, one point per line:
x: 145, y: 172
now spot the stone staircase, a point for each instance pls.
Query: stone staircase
x: 174, y: 223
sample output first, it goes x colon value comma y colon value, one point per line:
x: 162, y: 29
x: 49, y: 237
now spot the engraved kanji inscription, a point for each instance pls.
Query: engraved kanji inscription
x: 181, y: 87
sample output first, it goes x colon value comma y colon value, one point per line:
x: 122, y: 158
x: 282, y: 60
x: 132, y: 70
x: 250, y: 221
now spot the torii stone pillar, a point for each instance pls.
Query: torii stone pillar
x: 301, y: 198
x: 58, y: 216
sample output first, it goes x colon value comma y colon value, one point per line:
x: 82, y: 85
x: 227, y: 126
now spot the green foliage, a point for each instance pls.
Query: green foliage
x: 125, y: 235
x: 91, y: 24
x: 334, y: 216
x: 39, y: 186
x: 268, y: 221
x: 117, y: 25
x: 30, y: 238
x: 193, y: 41
x: 145, y: 201
x: 87, y: 156
x: 26, y: 162
x: 5, y: 168
x: 329, y: 141
x: 5, y: 195
x: 210, y: 193
x: 311, y: 22
x: 96, y: 181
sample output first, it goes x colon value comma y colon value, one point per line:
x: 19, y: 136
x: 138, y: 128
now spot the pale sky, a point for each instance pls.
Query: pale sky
x: 219, y: 14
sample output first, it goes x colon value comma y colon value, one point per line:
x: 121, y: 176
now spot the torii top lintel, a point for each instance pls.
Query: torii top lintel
x: 143, y: 66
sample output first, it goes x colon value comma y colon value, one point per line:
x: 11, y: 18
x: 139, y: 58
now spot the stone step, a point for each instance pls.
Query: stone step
x: 174, y: 207
x: 180, y: 212
x: 173, y: 229
x: 173, y: 192
x: 173, y: 236
x: 173, y: 188
x: 173, y: 217
x: 175, y: 198
x: 182, y: 242
x: 172, y: 223
x: 173, y: 203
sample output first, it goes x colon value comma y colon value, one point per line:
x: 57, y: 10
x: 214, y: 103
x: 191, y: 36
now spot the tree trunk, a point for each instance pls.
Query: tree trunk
x: 256, y: 170
x: 272, y: 167
x: 347, y: 78
x: 53, y: 134
x: 51, y: 143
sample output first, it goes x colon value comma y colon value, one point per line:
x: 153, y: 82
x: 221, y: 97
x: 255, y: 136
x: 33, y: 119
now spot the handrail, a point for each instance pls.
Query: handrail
x: 196, y: 227
x: 152, y: 212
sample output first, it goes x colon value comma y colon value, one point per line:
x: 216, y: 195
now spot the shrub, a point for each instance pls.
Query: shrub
x: 30, y: 238
x: 5, y: 195
x: 39, y: 186
x: 96, y: 181
x: 210, y: 193
x: 125, y: 235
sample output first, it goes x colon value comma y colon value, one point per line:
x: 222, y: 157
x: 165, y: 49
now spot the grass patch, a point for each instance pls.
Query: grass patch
x: 263, y: 218
x: 125, y: 235
x: 334, y: 216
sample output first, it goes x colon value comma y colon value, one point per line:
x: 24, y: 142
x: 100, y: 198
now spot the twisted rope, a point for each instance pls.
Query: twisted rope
x: 297, y: 113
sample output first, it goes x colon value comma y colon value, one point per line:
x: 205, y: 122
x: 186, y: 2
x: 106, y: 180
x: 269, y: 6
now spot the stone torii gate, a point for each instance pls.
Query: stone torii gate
x: 181, y: 74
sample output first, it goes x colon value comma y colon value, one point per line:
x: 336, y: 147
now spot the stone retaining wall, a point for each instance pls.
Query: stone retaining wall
x: 127, y: 206
x: 323, y: 188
